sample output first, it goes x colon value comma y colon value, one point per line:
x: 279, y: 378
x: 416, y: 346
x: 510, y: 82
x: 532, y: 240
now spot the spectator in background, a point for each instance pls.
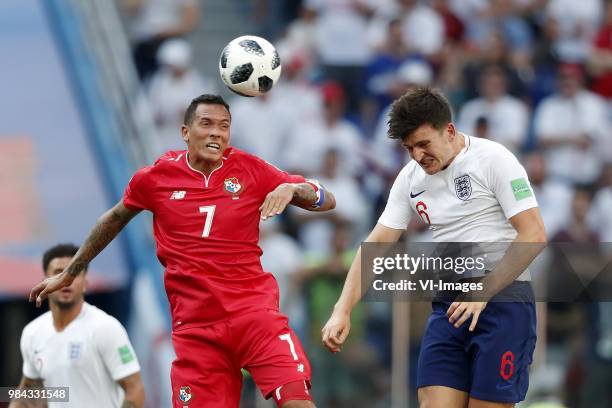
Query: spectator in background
x: 576, y: 228
x: 576, y: 23
x: 155, y: 21
x: 506, y: 117
x: 309, y: 141
x: 422, y: 28
x: 261, y: 127
x: 283, y: 256
x: 493, y: 51
x: 569, y: 270
x: 545, y: 60
x: 453, y: 26
x: 171, y: 88
x: 597, y: 390
x: 348, y: 380
x: 342, y: 43
x: 301, y: 34
x: 481, y: 128
x: 483, y: 18
x: 601, y: 217
x: 554, y: 196
x: 600, y: 58
x: 315, y: 232
x: 296, y: 94
x: 570, y: 126
x: 381, y: 76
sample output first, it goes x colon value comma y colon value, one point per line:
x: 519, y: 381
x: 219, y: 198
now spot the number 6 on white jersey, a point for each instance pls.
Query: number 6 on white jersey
x: 210, y: 213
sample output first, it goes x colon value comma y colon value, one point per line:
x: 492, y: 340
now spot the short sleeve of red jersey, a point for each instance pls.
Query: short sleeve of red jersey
x: 136, y: 195
x: 271, y: 176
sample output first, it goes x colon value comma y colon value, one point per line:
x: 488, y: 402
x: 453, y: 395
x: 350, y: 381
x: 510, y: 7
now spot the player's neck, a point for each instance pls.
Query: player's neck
x: 62, y: 317
x: 203, y: 166
x: 458, y: 145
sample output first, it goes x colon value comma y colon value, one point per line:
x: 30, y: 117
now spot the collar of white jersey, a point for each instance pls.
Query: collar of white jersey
x: 82, y: 313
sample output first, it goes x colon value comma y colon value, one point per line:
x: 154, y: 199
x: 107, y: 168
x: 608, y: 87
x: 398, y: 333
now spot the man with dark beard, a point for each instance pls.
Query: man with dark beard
x: 77, y: 345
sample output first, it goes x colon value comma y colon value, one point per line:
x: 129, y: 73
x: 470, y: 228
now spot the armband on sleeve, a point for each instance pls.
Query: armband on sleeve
x: 319, y: 191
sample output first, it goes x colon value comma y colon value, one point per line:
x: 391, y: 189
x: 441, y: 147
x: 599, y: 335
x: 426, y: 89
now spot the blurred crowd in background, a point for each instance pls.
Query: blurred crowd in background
x: 534, y: 75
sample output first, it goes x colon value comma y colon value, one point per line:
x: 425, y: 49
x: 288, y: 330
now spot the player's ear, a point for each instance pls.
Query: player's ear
x: 185, y: 133
x: 451, y: 130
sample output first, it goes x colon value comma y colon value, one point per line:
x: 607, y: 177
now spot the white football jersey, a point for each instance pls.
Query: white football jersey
x: 469, y: 201
x: 88, y: 356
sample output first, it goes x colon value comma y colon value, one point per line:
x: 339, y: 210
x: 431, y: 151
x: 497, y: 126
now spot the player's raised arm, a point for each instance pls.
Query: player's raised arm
x: 337, y: 328
x: 309, y: 195
x: 106, y: 229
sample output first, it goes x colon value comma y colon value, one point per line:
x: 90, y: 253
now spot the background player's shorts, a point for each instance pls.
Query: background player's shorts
x: 491, y: 363
x: 206, y: 371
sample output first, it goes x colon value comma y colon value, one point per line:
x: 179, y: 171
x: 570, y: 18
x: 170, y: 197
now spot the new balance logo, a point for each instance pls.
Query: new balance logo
x: 300, y: 368
x: 177, y: 195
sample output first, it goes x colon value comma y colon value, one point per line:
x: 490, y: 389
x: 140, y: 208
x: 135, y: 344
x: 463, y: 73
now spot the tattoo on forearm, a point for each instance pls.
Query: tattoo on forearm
x: 105, y: 230
x: 304, y: 195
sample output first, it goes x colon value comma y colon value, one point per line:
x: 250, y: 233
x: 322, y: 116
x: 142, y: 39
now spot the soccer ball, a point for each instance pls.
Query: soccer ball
x: 249, y: 65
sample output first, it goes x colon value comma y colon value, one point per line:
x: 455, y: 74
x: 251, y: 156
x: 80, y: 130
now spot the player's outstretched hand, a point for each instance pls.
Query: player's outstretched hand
x: 335, y: 331
x: 277, y: 200
x: 50, y: 285
x: 459, y: 312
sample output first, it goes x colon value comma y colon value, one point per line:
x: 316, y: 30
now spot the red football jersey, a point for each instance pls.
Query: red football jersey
x: 207, y: 232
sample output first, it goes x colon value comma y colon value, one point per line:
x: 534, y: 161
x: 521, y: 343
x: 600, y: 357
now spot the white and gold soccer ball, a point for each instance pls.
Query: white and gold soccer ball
x: 249, y: 65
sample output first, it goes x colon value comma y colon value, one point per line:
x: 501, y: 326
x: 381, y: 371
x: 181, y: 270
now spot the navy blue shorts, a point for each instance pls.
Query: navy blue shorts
x: 491, y: 363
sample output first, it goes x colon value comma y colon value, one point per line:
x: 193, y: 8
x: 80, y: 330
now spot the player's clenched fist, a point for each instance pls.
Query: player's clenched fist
x: 277, y: 200
x: 50, y: 285
x: 336, y: 330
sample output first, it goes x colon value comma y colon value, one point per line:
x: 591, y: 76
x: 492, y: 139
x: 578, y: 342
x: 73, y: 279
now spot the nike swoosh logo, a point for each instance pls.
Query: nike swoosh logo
x: 417, y: 194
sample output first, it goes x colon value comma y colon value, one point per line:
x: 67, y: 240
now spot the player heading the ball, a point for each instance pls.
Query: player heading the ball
x: 207, y: 203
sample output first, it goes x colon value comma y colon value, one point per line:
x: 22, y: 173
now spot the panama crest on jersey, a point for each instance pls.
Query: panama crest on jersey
x: 232, y: 186
x: 463, y: 187
x: 185, y: 394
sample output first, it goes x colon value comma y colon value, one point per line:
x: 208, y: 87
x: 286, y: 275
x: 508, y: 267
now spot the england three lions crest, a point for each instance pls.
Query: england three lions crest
x: 463, y: 187
x: 232, y: 186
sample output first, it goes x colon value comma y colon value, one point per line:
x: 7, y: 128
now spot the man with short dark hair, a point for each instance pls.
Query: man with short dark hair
x: 207, y: 204
x: 77, y: 345
x: 466, y: 189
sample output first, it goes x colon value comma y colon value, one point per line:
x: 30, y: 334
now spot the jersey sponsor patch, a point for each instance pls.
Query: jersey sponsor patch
x: 125, y: 352
x: 178, y: 195
x: 520, y: 189
x: 463, y: 187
